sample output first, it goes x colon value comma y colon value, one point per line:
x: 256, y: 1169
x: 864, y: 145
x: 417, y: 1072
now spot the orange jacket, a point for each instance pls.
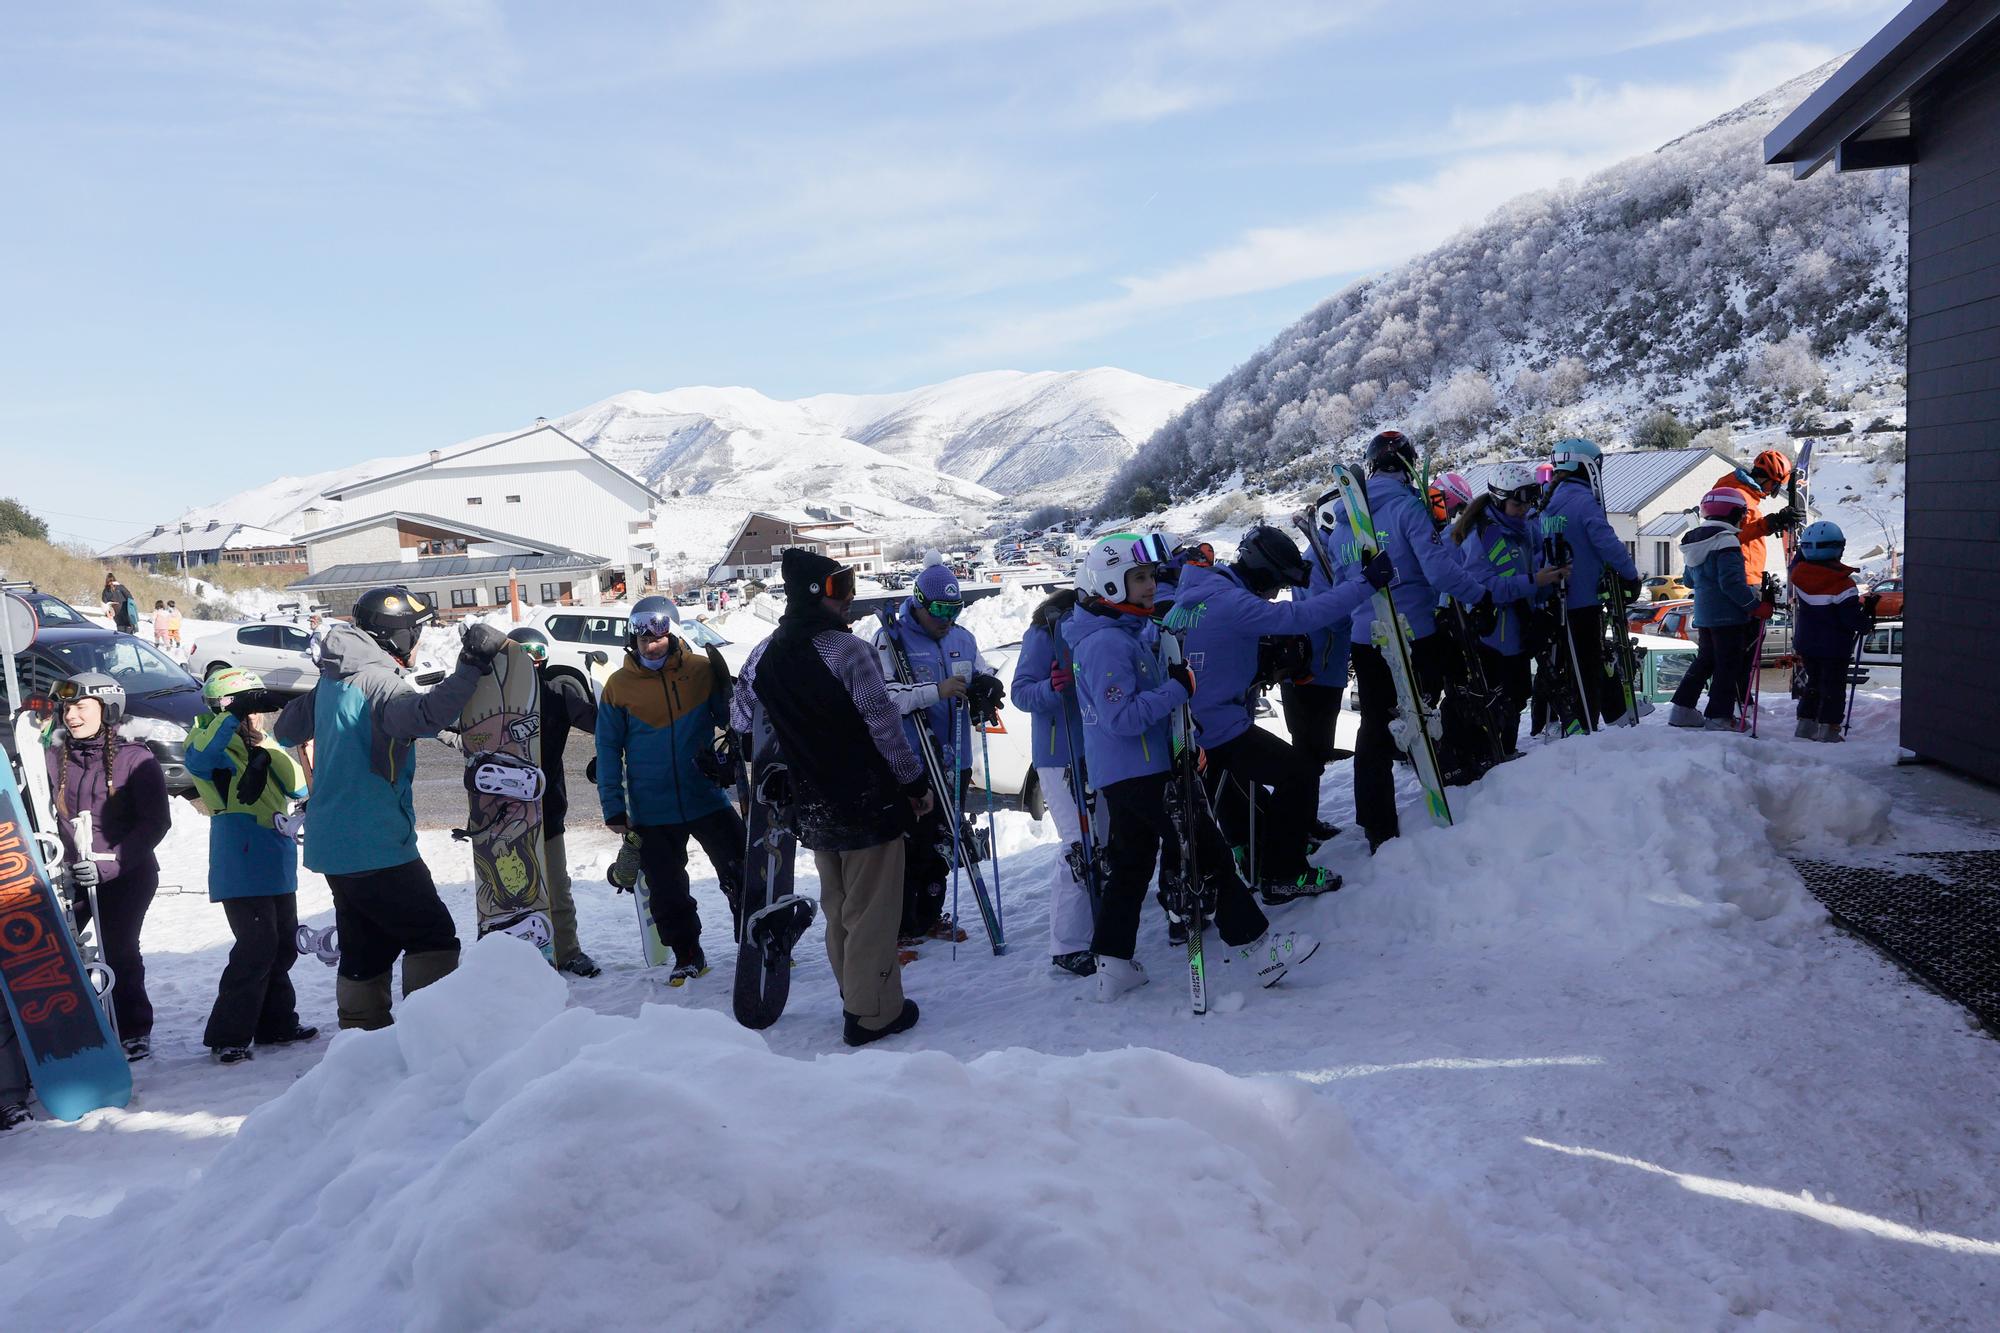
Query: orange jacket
x: 1754, y: 529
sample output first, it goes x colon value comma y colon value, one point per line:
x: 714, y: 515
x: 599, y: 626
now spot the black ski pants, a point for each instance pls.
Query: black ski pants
x: 254, y: 999
x: 1310, y: 714
x: 1688, y: 693
x: 1721, y: 662
x: 1510, y: 678
x: 1824, y: 696
x: 1142, y: 832
x: 383, y: 913
x: 1374, y: 748
x: 123, y: 904
x: 1285, y: 816
x: 663, y: 856
x: 927, y: 864
x: 1601, y: 693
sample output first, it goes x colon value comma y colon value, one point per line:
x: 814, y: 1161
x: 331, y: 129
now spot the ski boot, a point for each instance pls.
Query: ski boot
x: 1806, y: 730
x: 15, y: 1114
x: 948, y: 930
x: 300, y: 1032
x: 137, y: 1048
x: 1176, y: 929
x: 1829, y: 731
x: 1322, y: 834
x: 1115, y: 976
x: 687, y: 967
x: 579, y: 964
x: 1722, y: 724
x: 231, y: 1055
x: 1272, y: 954
x: 1082, y: 963
x: 856, y: 1035
x: 1315, y: 881
x: 1683, y: 716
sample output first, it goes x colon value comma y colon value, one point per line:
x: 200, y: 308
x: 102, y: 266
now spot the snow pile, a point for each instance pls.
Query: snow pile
x: 1700, y: 826
x: 1002, y: 618
x: 499, y: 1161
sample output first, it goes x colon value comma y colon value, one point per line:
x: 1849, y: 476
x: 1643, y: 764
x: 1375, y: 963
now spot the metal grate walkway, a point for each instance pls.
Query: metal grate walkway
x: 1938, y: 916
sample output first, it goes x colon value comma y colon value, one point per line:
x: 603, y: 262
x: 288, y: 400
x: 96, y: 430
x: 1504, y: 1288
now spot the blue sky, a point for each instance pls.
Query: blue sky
x: 251, y: 239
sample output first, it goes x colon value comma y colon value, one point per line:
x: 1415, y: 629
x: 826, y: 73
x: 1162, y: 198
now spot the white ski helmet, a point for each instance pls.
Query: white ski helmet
x: 1101, y: 572
x: 1513, y: 481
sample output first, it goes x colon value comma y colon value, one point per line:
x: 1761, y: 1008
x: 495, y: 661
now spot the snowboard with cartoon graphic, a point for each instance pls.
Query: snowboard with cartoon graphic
x: 501, y: 729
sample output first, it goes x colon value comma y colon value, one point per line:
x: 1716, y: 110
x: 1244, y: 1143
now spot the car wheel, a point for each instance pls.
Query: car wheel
x: 212, y: 668
x: 1031, y: 795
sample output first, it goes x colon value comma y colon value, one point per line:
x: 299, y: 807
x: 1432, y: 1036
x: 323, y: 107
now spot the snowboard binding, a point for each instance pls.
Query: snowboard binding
x: 497, y: 774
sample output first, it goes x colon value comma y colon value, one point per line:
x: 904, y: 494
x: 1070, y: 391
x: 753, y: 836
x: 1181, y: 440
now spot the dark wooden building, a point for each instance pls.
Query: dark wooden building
x: 1924, y: 93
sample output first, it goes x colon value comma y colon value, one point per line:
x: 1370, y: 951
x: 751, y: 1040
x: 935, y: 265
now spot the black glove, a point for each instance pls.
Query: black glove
x: 1630, y: 587
x: 590, y: 770
x: 1784, y: 520
x: 1179, y: 671
x: 1869, y: 603
x: 1380, y: 571
x: 256, y: 774
x: 1484, y: 615
x: 984, y: 695
x: 614, y: 821
x: 482, y: 644
x: 243, y: 705
x: 84, y: 875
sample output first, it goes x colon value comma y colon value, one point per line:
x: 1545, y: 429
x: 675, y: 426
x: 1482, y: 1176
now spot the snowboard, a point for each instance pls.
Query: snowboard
x: 773, y: 917
x: 1187, y: 803
x: 501, y: 727
x: 1416, y: 727
x: 66, y: 1038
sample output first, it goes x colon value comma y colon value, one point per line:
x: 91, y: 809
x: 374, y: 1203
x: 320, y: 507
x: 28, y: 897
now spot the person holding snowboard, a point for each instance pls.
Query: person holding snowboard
x: 857, y: 783
x: 119, y: 606
x: 1726, y: 612
x: 1496, y: 538
x: 1127, y: 698
x: 1226, y: 610
x: 247, y: 784
x: 656, y: 729
x: 363, y: 719
x: 1044, y: 672
x: 1424, y: 569
x: 1573, y: 512
x: 1831, y: 612
x: 952, y: 684
x: 118, y: 784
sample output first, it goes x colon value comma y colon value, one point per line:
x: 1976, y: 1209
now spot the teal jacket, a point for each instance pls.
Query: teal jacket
x: 651, y: 726
x: 362, y: 717
x: 247, y: 857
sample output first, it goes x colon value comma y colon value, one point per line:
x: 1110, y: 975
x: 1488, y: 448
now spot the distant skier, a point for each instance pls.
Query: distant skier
x: 953, y: 684
x: 857, y: 784
x: 247, y: 784
x: 1831, y: 612
x: 119, y: 785
x: 1573, y: 512
x: 361, y: 825
x: 1044, y: 685
x: 1726, y: 611
x: 1424, y: 569
x: 1226, y: 610
x: 657, y: 719
x: 566, y: 706
x: 1496, y: 538
x: 1127, y: 699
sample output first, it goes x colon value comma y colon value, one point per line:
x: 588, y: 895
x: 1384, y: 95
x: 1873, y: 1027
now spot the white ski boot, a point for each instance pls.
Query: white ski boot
x: 1272, y: 954
x: 1683, y: 716
x: 1806, y: 730
x: 1115, y: 976
x: 1720, y: 724
x: 1829, y: 731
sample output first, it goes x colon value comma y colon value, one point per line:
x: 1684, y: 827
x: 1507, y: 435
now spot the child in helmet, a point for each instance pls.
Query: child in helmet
x: 247, y: 784
x: 656, y: 721
x: 117, y: 786
x: 1726, y: 611
x: 1496, y: 539
x: 1127, y: 698
x: 1831, y: 612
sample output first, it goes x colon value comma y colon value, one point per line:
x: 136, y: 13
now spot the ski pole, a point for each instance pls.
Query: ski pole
x: 1853, y: 681
x: 949, y: 785
x: 992, y: 831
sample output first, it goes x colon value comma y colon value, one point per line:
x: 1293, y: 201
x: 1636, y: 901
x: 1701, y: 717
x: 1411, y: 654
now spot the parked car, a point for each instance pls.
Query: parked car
x: 279, y: 651
x: 54, y: 612
x: 1883, y: 644
x: 1676, y: 622
x: 1891, y: 593
x: 1646, y: 617
x: 1664, y: 588
x: 588, y: 642
x: 161, y: 699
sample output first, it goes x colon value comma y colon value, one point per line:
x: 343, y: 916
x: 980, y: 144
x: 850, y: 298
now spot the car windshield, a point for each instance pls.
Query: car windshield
x: 133, y: 663
x: 53, y: 611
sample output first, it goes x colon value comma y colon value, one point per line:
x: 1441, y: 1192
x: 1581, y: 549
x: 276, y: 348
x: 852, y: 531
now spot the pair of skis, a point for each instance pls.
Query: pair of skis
x: 944, y: 789
x: 1187, y: 803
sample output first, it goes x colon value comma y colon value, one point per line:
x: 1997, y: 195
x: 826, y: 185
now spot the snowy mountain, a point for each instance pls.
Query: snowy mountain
x: 1692, y: 280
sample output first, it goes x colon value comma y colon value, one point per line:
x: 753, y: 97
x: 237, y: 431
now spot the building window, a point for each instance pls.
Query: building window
x: 475, y: 500
x: 553, y: 593
x: 1663, y: 557
x: 513, y: 499
x: 462, y: 597
x: 500, y: 597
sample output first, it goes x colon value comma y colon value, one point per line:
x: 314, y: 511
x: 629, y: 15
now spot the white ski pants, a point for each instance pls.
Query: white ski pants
x: 1070, y: 922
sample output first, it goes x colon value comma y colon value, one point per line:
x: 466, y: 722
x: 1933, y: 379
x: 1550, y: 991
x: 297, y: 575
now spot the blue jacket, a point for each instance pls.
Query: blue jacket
x: 1223, y: 621
x: 247, y: 857
x: 1573, y: 513
x: 1713, y: 555
x: 931, y: 660
x: 1330, y: 645
x: 1041, y: 650
x: 1502, y: 554
x: 1123, y: 695
x: 363, y: 718
x: 650, y: 727
x: 1424, y: 568
x: 1828, y: 613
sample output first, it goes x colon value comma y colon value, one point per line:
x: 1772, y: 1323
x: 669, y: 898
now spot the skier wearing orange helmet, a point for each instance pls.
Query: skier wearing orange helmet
x: 1767, y: 474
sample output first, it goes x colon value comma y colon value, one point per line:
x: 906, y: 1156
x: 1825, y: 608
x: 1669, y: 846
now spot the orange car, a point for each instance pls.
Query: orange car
x: 1649, y: 617
x: 1891, y: 593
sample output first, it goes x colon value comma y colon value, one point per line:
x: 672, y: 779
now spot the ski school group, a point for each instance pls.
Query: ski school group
x: 1454, y: 612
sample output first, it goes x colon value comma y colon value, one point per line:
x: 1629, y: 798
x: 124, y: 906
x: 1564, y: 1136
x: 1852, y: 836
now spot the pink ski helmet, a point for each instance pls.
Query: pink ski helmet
x: 1724, y: 502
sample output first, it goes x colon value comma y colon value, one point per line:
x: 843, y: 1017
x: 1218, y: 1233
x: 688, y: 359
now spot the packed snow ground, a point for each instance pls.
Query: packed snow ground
x: 1590, y: 1059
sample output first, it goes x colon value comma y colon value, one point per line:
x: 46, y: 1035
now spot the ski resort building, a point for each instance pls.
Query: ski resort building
x: 754, y: 551
x: 195, y: 546
x: 1650, y: 497
x: 462, y: 566
x: 1924, y: 93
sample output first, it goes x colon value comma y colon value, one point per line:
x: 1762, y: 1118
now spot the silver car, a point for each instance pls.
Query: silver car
x: 277, y: 651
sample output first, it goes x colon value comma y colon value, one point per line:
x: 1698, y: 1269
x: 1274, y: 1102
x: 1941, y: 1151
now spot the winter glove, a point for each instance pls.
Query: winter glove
x: 1629, y: 587
x: 1179, y: 672
x: 1784, y: 520
x: 616, y: 821
x: 1380, y: 571
x: 1060, y: 677
x: 242, y: 706
x: 256, y: 775
x: 1763, y: 611
x: 624, y: 871
x: 590, y: 771
x: 1485, y: 616
x: 84, y: 875
x: 482, y: 644
x: 1869, y: 603
x: 984, y: 695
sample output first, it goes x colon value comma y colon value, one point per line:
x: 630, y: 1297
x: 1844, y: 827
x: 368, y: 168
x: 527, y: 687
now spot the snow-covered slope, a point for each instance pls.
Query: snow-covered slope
x: 1692, y: 279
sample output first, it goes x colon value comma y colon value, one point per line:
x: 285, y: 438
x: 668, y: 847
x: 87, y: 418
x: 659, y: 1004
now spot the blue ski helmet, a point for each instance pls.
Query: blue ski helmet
x: 1575, y: 456
x: 1822, y: 541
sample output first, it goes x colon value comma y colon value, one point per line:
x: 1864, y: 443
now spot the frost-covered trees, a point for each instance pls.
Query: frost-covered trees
x: 1788, y: 367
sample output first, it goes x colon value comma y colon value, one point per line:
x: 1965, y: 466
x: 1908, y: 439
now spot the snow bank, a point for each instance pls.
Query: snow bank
x: 1002, y: 618
x: 499, y: 1161
x: 1701, y: 825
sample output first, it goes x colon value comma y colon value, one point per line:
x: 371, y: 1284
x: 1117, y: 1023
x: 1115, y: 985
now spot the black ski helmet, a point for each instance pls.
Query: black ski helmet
x: 533, y: 641
x: 1391, y: 451
x: 394, y: 617
x: 1269, y: 559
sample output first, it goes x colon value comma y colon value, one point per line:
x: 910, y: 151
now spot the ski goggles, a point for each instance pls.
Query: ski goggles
x: 538, y: 652
x: 646, y: 625
x: 1152, y: 549
x: 942, y: 609
x: 838, y: 584
x: 1527, y: 495
x: 65, y: 692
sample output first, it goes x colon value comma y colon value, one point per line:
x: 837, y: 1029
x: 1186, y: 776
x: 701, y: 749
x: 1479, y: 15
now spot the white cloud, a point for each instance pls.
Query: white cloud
x: 1682, y: 20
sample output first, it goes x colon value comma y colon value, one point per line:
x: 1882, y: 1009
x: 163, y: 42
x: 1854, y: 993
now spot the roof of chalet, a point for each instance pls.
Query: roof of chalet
x: 1667, y: 525
x: 375, y: 573
x: 472, y: 530
x: 214, y: 535
x: 476, y: 446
